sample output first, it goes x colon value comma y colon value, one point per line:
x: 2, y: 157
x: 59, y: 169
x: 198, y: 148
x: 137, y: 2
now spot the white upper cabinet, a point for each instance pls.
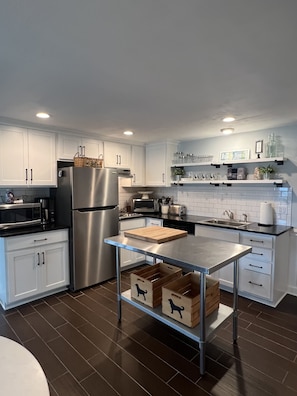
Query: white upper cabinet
x: 71, y: 145
x: 42, y: 165
x: 27, y: 157
x: 138, y: 166
x: 158, y: 163
x: 117, y: 155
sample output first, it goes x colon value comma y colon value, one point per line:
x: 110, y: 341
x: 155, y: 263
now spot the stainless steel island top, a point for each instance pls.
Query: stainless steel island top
x: 201, y: 254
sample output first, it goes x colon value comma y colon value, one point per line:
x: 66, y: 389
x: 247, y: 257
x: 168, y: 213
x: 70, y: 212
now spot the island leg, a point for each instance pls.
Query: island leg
x: 235, y: 300
x: 202, y: 342
x: 118, y: 273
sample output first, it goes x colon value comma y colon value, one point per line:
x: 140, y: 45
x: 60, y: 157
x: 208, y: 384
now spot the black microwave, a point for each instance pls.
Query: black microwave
x: 19, y: 215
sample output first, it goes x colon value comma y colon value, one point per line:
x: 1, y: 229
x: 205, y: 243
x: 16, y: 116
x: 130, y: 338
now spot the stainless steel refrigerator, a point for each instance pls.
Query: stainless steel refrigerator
x: 87, y: 203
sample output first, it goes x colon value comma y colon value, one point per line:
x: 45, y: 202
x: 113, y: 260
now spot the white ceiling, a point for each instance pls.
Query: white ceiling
x: 166, y: 69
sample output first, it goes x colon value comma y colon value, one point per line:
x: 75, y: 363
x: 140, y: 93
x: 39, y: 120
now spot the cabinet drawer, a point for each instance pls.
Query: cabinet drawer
x: 253, y: 265
x: 36, y: 239
x: 260, y: 254
x: 217, y: 233
x: 154, y: 222
x: 255, y: 283
x: 259, y: 240
x: 131, y: 224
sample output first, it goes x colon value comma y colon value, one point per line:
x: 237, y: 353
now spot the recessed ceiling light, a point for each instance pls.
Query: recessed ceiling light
x: 228, y: 119
x: 128, y: 133
x: 42, y: 115
x: 227, y: 131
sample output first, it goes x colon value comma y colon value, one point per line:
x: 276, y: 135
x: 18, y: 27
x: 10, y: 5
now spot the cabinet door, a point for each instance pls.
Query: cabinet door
x: 128, y: 257
x: 68, y: 146
x: 117, y: 155
x: 225, y: 274
x: 153, y: 222
x: 23, y: 274
x: 92, y: 148
x: 54, y: 266
x: 42, y: 165
x: 137, y: 166
x: 13, y: 156
x: 155, y: 165
x: 158, y: 163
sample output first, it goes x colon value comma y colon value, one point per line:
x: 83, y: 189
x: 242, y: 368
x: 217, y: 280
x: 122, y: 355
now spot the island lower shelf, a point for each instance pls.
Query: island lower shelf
x: 212, y: 322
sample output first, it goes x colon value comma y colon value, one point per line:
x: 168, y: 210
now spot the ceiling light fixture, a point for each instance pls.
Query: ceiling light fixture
x: 43, y: 115
x: 228, y: 119
x: 128, y: 133
x: 227, y: 131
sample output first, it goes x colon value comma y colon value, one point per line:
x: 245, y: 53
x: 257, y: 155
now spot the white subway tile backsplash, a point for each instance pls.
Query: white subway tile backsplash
x: 205, y: 201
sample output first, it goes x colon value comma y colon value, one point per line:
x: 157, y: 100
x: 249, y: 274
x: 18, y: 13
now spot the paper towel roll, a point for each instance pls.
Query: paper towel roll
x: 266, y: 215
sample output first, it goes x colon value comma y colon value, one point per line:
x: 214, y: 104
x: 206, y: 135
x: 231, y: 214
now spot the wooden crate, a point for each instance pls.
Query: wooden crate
x: 146, y: 283
x: 181, y: 298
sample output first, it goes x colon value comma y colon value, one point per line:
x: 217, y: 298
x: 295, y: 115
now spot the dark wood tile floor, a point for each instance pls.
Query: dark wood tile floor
x: 85, y: 351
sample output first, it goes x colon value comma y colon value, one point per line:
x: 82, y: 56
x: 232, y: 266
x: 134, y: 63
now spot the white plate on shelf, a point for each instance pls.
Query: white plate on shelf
x: 145, y: 194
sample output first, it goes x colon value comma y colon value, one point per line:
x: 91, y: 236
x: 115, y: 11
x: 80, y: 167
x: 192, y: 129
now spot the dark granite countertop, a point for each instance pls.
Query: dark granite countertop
x: 251, y: 227
x: 30, y: 230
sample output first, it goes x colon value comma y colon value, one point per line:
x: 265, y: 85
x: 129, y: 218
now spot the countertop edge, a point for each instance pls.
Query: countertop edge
x: 274, y: 230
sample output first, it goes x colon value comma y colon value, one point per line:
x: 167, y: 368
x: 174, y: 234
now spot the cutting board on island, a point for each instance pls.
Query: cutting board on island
x: 155, y: 234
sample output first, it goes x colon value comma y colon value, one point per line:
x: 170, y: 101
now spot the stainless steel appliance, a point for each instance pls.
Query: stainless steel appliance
x: 47, y: 210
x: 177, y: 210
x: 19, y: 215
x: 180, y: 225
x: 87, y: 202
x: 143, y: 205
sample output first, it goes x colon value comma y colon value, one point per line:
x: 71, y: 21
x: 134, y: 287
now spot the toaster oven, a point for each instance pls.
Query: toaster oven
x: 141, y: 205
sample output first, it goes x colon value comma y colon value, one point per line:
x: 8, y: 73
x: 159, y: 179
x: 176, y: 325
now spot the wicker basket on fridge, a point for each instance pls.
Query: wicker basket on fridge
x: 82, y: 161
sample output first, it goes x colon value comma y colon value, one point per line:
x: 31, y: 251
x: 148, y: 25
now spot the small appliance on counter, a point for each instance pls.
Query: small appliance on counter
x: 19, y: 215
x: 145, y: 204
x: 47, y: 210
x: 177, y: 210
x: 266, y: 214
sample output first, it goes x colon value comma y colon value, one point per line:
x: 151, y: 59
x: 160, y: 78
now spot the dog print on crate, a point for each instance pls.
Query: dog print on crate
x: 140, y: 292
x: 175, y: 307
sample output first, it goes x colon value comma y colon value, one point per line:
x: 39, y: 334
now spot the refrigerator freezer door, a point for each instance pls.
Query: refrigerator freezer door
x: 93, y: 260
x: 92, y: 187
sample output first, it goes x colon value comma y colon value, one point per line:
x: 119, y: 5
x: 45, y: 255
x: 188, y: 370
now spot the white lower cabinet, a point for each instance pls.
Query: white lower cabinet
x: 150, y: 221
x: 224, y: 275
x: 33, y: 266
x: 263, y: 273
x: 127, y: 257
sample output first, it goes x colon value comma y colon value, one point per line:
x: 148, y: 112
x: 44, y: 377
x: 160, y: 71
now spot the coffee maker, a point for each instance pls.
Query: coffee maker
x: 47, y: 210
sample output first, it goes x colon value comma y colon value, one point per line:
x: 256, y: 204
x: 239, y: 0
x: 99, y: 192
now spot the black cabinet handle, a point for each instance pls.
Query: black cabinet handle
x: 255, y: 284
x: 256, y: 266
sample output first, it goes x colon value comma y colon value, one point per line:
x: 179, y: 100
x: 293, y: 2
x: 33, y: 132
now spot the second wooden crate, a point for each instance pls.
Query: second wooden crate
x: 146, y: 283
x: 181, y: 298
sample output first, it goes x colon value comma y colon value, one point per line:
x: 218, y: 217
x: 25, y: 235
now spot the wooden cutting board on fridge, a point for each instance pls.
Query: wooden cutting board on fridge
x: 155, y: 234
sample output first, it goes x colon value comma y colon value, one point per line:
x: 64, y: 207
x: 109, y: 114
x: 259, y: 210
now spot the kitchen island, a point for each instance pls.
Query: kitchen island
x: 200, y: 254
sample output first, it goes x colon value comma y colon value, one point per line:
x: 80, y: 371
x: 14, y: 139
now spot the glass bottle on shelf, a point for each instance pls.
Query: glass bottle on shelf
x: 279, y: 147
x: 271, y: 146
